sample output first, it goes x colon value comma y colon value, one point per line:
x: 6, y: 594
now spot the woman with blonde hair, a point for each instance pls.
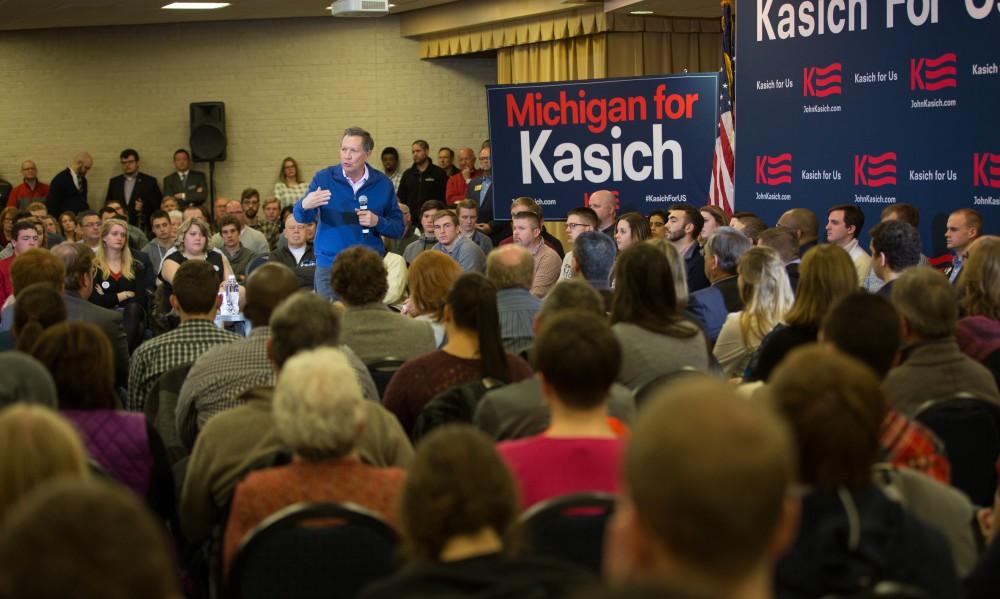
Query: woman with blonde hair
x: 826, y: 276
x: 36, y: 445
x: 767, y: 297
x: 121, y: 281
x: 676, y: 268
x: 193, y: 243
x: 430, y: 277
x: 290, y: 186
x: 978, y: 333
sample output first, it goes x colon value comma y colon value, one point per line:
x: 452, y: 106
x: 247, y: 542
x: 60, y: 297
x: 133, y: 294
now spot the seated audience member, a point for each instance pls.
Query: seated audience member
x: 397, y: 246
x: 457, y: 510
x: 901, y: 212
x: 196, y: 300
x: 737, y: 463
x: 714, y: 217
x: 468, y: 213
x: 25, y: 237
x: 806, y: 226
x: 98, y: 541
x: 41, y: 308
x: 867, y: 328
x: 519, y: 409
x: 749, y: 225
x: 709, y: 307
x: 319, y: 415
x: 578, y: 220
x: 895, y: 245
x: 525, y: 204
x: 851, y: 536
x: 67, y: 224
x: 630, y: 229
x: 370, y: 328
x: 580, y: 449
x: 843, y: 227
x: 684, y: 224
x: 474, y: 350
x: 24, y: 380
x: 604, y: 204
x: 121, y: 282
x: 252, y: 239
x: 767, y: 297
x: 163, y: 239
x: 527, y: 228
x: 784, y: 242
x: 663, y: 245
x: 88, y: 228
x: 511, y: 269
x: 427, y: 240
x: 268, y: 222
x: 232, y: 442
x: 655, y: 338
x: 37, y: 266
x: 239, y: 256
x: 136, y: 237
x: 429, y: 278
x: 220, y: 376
x: 77, y: 285
x: 826, y: 277
x: 395, y: 268
x: 36, y: 445
x: 933, y: 367
x: 978, y: 333
x: 253, y: 218
x: 452, y: 242
x: 594, y: 255
x: 192, y: 244
x: 297, y: 254
x: 964, y: 226
x: 658, y: 224
x: 124, y: 444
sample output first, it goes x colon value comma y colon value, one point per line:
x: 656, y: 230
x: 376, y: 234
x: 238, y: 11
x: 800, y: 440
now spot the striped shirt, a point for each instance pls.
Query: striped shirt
x: 517, y: 308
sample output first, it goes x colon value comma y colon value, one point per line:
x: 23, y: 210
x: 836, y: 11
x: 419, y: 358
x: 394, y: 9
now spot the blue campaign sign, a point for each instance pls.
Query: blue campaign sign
x: 649, y: 140
x: 869, y: 102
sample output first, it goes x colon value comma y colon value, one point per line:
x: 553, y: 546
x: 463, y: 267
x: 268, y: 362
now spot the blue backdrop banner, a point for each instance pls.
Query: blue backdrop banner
x: 647, y: 139
x: 869, y: 102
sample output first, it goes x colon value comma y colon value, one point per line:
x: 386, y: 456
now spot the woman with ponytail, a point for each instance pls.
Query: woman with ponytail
x: 36, y: 308
x: 474, y: 350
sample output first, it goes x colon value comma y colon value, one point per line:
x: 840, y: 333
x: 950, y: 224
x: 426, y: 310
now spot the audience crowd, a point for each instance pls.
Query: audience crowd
x: 764, y: 412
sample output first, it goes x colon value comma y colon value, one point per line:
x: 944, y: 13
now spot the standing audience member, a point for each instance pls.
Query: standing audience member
x: 30, y: 189
x: 68, y: 189
x: 290, y: 187
x: 458, y: 183
x: 135, y: 190
x: 446, y: 160
x: 423, y: 181
x: 474, y: 350
x: 196, y: 300
x: 655, y: 338
x: 370, y: 328
x: 710, y: 306
x: 121, y: 282
x: 767, y: 297
x: 826, y: 277
x: 480, y: 191
x: 126, y: 446
x: 684, y: 224
x: 511, y: 269
x: 319, y: 415
x: 630, y: 229
x: 581, y: 449
x: 978, y: 333
x: 933, y: 367
x: 430, y: 278
x: 965, y: 225
x: 390, y: 166
x: 457, y: 511
x: 851, y: 536
x: 187, y: 186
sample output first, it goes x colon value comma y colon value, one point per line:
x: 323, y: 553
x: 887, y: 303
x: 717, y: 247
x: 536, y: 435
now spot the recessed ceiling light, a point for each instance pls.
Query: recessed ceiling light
x: 640, y: 12
x: 194, y: 5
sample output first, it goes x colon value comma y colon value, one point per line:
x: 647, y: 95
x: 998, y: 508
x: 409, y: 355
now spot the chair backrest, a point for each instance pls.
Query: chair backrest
x: 970, y: 429
x: 453, y: 405
x: 570, y: 528
x: 161, y: 406
x: 382, y: 371
x: 649, y: 388
x: 308, y: 550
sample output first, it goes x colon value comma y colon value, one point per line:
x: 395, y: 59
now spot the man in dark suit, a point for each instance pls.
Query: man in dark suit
x: 189, y: 188
x: 137, y: 191
x: 423, y: 181
x: 709, y: 306
x: 480, y: 190
x: 68, y: 189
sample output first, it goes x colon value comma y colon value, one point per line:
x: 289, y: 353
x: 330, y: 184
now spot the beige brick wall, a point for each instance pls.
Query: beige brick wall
x: 290, y: 87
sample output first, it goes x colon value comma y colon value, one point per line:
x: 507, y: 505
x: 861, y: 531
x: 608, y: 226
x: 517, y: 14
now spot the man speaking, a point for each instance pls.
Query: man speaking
x: 355, y: 203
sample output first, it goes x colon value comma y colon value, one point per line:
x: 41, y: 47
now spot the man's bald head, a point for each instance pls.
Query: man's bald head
x: 268, y: 286
x: 602, y: 202
x: 510, y: 266
x: 82, y: 163
x: 803, y: 222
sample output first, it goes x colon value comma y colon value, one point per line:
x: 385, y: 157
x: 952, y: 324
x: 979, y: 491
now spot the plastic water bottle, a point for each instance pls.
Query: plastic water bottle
x: 231, y: 297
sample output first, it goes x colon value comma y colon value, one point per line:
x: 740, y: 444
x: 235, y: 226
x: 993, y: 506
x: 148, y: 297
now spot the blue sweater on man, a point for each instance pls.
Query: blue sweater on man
x: 338, y: 227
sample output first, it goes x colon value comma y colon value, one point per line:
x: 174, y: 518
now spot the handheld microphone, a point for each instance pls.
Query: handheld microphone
x: 363, y: 204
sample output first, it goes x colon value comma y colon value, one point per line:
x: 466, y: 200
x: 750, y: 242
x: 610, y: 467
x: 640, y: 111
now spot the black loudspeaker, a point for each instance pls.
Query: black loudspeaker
x: 208, y: 131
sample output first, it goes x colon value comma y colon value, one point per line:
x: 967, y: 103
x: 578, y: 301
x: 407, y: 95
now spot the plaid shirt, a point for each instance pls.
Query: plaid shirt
x: 908, y: 443
x: 270, y: 231
x: 158, y: 355
x: 220, y: 376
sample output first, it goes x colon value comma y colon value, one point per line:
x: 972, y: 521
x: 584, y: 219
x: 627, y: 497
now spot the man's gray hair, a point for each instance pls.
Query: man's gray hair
x: 510, y: 267
x: 728, y: 245
x: 595, y: 254
x: 367, y: 143
x: 301, y: 322
x: 927, y: 301
x: 571, y: 295
x: 318, y: 409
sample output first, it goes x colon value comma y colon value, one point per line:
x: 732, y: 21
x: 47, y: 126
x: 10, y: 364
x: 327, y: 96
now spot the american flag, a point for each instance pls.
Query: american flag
x: 720, y: 190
